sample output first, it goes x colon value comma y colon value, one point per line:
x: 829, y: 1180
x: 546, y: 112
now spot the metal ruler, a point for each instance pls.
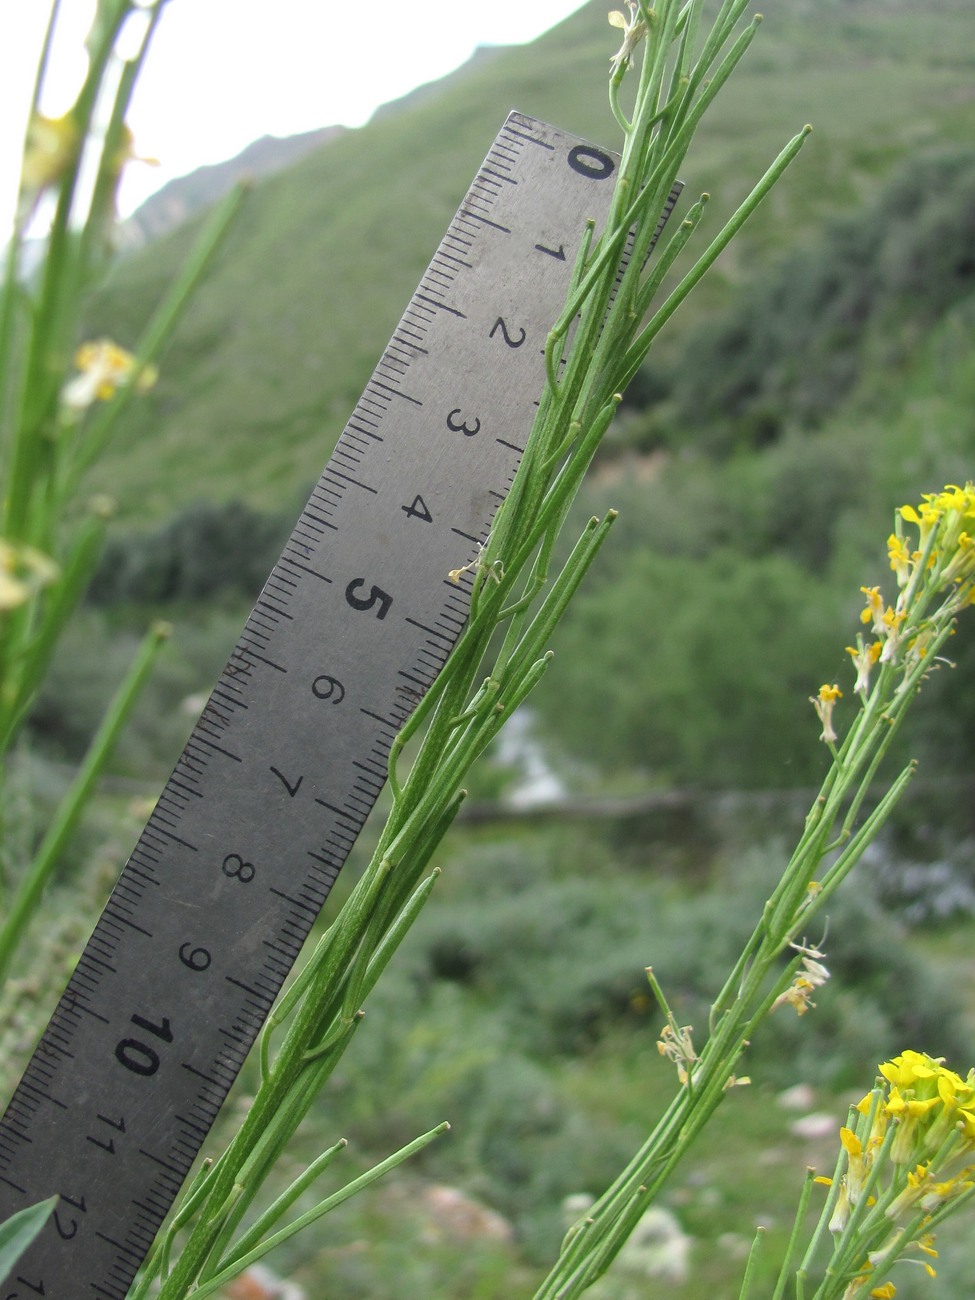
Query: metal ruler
x: 277, y: 778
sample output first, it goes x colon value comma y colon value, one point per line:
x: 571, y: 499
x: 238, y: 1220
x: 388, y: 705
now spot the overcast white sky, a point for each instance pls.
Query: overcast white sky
x: 221, y: 73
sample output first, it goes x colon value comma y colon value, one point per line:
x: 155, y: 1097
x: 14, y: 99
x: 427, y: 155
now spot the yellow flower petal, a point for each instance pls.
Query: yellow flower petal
x: 52, y: 145
x: 851, y: 1143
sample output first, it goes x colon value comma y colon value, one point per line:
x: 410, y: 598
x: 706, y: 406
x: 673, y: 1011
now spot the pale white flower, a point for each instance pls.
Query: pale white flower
x: 634, y: 29
x: 102, y: 368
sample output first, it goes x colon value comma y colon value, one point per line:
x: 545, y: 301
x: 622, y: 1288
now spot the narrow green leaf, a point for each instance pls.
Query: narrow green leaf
x: 17, y: 1233
x: 69, y: 811
x: 323, y: 1207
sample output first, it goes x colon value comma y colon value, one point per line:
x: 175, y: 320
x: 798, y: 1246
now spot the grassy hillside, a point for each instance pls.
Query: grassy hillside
x: 267, y: 365
x: 181, y: 198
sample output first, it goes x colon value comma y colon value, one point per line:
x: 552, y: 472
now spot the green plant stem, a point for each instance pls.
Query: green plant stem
x: 96, y: 234
x: 743, y: 1003
x: 822, y: 1227
x: 157, y: 333
x: 31, y: 888
x: 750, y: 1265
x: 797, y: 1224
x: 690, y: 281
x: 259, y: 1229
x: 410, y: 836
x: 251, y: 1257
x: 55, y: 315
x: 22, y: 674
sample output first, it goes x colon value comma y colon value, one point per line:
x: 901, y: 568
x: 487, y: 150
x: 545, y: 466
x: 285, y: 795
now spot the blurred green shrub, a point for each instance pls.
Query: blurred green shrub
x: 704, y: 672
x: 852, y: 307
x: 209, y: 548
x: 86, y: 669
x: 561, y: 962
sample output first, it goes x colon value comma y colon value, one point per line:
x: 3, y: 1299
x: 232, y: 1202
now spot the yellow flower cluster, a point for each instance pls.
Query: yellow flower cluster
x: 945, y: 547
x: 920, y: 1119
x: 930, y: 1103
x: 931, y: 552
x: 947, y: 517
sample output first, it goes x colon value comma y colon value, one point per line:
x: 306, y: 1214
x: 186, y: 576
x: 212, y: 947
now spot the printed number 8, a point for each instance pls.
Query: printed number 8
x: 235, y: 867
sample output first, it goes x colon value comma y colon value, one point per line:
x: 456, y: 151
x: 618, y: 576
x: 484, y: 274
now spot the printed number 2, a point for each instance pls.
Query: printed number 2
x: 502, y: 325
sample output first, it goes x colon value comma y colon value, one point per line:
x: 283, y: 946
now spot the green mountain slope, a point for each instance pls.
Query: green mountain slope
x: 180, y: 199
x: 280, y: 341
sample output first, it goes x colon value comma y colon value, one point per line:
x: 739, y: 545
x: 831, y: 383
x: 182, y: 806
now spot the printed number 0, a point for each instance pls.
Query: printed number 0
x: 595, y: 164
x: 236, y: 868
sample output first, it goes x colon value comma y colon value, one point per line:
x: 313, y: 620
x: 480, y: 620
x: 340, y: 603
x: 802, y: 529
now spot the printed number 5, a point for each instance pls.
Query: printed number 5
x: 376, y: 597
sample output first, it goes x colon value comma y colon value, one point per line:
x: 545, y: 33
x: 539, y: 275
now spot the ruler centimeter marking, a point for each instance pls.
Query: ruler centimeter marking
x: 289, y: 755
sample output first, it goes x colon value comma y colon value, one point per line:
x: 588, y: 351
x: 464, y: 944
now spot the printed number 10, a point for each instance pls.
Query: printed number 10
x: 138, y: 1056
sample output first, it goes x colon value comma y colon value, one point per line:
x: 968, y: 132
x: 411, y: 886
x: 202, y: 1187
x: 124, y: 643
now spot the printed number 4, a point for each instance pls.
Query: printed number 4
x: 418, y: 510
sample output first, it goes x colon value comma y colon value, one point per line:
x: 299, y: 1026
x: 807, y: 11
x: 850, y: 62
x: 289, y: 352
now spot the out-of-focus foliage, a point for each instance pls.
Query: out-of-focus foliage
x: 846, y: 312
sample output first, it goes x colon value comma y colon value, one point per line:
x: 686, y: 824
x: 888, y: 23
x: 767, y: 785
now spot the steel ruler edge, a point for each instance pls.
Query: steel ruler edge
x: 279, y: 774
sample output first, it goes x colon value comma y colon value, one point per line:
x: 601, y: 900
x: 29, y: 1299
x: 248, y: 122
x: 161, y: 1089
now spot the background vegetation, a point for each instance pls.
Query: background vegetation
x: 826, y: 376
